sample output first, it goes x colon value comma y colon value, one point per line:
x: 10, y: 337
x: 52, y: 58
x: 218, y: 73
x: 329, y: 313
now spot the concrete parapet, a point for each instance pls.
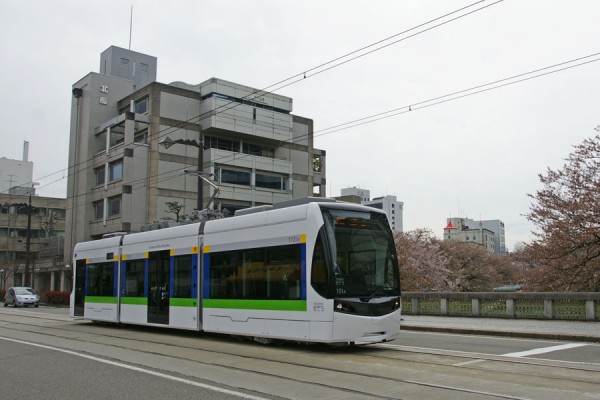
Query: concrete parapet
x: 582, y: 306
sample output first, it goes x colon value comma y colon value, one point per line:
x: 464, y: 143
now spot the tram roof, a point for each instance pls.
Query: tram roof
x: 160, y: 234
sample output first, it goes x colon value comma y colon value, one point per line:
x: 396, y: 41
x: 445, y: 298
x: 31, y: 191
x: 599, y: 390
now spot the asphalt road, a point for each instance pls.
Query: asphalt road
x: 577, y: 352
x: 32, y: 372
x: 46, y: 355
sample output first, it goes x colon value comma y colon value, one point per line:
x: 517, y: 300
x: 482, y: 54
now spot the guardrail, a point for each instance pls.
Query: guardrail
x: 581, y: 306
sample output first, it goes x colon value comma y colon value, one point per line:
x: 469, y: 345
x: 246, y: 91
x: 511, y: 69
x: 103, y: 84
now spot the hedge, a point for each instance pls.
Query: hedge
x: 57, y: 297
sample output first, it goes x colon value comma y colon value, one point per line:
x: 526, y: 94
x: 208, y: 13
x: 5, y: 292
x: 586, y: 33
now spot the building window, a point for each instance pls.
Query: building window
x: 234, y: 177
x: 99, y: 209
x: 124, y: 62
x: 114, y: 206
x: 258, y: 150
x: 222, y: 144
x: 144, y: 67
x: 115, y: 171
x: 316, y: 163
x: 100, y: 175
x: 316, y: 190
x: 141, y: 137
x: 141, y: 106
x: 271, y: 182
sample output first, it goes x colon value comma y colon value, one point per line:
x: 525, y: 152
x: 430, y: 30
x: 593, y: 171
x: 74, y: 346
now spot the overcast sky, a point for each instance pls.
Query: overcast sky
x: 475, y: 157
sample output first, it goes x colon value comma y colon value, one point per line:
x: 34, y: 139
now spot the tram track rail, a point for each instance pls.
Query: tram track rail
x: 376, y: 354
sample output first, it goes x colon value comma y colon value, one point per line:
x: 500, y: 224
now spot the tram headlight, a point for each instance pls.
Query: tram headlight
x: 343, y: 307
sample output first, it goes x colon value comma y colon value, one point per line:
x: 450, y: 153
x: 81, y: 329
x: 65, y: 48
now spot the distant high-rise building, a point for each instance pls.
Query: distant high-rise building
x: 16, y: 176
x: 389, y: 204
x: 393, y: 208
x: 364, y: 194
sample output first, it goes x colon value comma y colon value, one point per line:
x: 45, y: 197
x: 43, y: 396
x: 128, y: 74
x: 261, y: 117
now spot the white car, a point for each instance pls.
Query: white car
x: 21, y: 296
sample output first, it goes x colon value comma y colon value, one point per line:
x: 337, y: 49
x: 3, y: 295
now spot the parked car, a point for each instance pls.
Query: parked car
x: 21, y: 296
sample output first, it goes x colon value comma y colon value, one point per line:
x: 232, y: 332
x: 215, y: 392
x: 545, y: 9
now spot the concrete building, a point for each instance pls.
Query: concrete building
x: 469, y: 231
x: 36, y: 246
x: 16, y: 176
x: 364, y: 194
x: 393, y: 208
x: 132, y: 138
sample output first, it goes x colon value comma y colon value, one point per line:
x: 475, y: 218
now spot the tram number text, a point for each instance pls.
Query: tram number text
x: 318, y: 307
x: 339, y: 283
x: 294, y: 239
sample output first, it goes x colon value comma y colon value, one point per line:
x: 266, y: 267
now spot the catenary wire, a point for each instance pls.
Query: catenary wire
x: 456, y: 95
x: 303, y: 74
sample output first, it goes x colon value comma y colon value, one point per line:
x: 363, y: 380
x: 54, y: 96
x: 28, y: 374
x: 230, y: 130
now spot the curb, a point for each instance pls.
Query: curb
x: 513, y: 334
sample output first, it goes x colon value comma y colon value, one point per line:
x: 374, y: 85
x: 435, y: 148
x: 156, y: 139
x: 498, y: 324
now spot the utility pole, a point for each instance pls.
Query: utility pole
x: 168, y: 142
x: 28, y: 244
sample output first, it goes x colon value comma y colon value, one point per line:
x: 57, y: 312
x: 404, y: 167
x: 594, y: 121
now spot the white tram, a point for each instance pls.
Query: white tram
x: 314, y: 270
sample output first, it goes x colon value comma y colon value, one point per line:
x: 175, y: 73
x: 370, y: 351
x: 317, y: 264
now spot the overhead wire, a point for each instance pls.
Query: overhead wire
x: 253, y: 94
x: 437, y: 100
x: 302, y: 76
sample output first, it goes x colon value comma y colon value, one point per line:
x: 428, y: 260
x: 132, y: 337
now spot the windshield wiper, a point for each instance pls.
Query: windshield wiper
x: 374, y: 293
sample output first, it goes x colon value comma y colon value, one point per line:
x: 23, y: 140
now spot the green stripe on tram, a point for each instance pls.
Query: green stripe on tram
x: 136, y: 301
x: 271, y: 305
x: 175, y: 302
x: 101, y: 299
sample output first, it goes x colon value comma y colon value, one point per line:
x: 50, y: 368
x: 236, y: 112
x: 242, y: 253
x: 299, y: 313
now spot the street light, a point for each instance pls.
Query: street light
x: 168, y: 142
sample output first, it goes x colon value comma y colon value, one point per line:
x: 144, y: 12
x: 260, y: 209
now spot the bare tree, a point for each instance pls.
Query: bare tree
x: 173, y: 207
x: 565, y: 255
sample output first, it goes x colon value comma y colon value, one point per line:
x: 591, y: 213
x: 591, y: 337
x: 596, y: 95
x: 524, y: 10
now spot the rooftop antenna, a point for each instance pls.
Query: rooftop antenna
x: 130, y: 26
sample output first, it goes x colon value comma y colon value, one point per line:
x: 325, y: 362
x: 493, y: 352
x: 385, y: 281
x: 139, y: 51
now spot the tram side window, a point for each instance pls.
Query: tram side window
x: 182, y: 285
x: 101, y: 279
x: 134, y: 278
x: 284, y: 269
x: 223, y: 277
x: 263, y: 273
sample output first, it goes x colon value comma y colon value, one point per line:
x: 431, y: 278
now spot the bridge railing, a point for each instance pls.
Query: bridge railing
x: 581, y: 306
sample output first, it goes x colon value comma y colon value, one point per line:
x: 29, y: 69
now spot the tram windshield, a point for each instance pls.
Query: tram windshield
x: 363, y: 254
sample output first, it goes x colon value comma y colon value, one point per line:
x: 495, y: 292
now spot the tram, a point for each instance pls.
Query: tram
x: 308, y: 270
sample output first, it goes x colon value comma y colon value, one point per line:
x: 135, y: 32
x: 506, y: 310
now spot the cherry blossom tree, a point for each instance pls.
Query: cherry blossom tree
x: 430, y: 264
x: 472, y: 269
x: 565, y: 254
x: 422, y: 263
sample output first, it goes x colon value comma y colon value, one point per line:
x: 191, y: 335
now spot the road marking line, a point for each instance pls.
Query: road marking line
x: 543, y: 350
x: 139, y: 369
x: 464, y: 363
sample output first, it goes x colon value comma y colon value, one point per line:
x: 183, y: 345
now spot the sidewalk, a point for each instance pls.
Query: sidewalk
x: 586, y: 331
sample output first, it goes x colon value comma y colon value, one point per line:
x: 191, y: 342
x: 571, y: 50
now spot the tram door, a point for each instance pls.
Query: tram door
x: 79, y: 288
x: 158, y: 287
